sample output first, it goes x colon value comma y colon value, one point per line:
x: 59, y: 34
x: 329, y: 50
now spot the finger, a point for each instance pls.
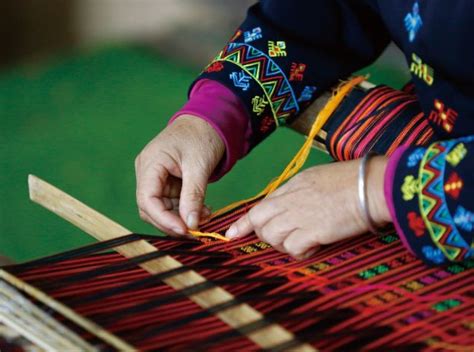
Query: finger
x: 150, y: 187
x: 240, y: 228
x: 163, y: 218
x: 192, y: 197
x: 256, y: 218
x: 275, y: 231
x: 145, y: 217
x: 299, y: 243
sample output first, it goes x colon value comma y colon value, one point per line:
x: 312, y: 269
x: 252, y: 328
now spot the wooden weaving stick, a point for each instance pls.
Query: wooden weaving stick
x: 102, y: 228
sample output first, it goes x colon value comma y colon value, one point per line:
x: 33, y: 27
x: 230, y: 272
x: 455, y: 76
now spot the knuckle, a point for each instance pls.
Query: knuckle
x: 196, y: 194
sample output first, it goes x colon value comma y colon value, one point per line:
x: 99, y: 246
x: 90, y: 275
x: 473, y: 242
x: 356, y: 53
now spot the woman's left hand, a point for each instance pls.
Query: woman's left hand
x: 318, y: 206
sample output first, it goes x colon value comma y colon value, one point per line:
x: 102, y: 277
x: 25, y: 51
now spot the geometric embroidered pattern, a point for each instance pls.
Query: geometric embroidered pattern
x: 267, y: 74
x: 433, y: 206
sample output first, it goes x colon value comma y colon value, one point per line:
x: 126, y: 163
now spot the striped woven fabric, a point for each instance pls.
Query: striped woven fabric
x: 382, y: 120
x: 365, y: 293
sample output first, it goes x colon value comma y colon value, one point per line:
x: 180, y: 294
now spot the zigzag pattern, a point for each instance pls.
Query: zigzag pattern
x: 433, y: 204
x: 268, y: 75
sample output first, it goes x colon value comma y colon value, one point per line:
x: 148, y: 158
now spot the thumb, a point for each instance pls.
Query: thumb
x: 191, y: 201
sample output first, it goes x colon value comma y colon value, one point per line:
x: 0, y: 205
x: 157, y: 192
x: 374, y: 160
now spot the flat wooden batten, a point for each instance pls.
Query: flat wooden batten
x: 102, y: 228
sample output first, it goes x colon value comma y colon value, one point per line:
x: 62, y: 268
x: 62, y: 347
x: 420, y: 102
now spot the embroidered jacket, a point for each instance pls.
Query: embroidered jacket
x: 286, y: 53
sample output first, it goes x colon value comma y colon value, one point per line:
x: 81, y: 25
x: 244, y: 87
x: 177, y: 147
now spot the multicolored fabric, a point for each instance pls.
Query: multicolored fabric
x: 380, y: 120
x: 271, y: 65
x: 362, y: 294
x: 434, y: 200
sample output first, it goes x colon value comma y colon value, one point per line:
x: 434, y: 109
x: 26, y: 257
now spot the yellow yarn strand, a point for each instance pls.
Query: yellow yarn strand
x: 299, y: 159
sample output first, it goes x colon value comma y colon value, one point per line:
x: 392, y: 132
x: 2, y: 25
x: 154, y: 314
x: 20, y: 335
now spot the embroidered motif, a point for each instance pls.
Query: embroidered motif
x: 413, y: 22
x: 433, y: 254
x: 416, y: 223
x: 456, y: 155
x: 214, y: 67
x: 454, y: 185
x: 307, y: 94
x: 276, y: 49
x: 445, y: 118
x: 409, y: 187
x: 415, y: 157
x: 297, y: 71
x: 421, y: 70
x: 464, y: 219
x: 433, y: 206
x: 240, y: 80
x: 267, y: 123
x: 259, y: 104
x: 254, y: 34
x: 267, y: 74
x: 237, y: 34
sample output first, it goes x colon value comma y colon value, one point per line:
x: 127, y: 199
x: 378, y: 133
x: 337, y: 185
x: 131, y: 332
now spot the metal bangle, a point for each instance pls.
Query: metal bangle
x: 361, y: 183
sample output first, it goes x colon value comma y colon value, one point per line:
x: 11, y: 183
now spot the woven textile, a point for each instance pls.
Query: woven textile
x: 367, y: 292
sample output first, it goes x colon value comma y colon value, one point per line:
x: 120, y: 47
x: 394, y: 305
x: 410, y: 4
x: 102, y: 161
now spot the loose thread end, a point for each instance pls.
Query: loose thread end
x: 215, y: 235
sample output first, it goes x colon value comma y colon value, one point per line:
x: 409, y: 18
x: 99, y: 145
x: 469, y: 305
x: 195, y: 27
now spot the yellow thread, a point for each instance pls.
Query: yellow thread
x: 299, y: 159
x: 215, y: 235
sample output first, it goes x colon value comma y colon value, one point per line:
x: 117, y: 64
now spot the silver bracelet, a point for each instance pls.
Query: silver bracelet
x: 364, y: 207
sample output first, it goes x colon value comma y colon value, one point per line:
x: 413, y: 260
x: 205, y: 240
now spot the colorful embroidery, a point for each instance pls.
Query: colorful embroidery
x: 267, y: 123
x: 307, y: 93
x: 443, y: 117
x: 433, y: 254
x: 454, y: 185
x: 421, y: 70
x: 416, y: 223
x: 267, y: 74
x: 297, y: 71
x: 433, y: 206
x: 214, y: 67
x: 259, y: 104
x: 276, y: 49
x: 413, y: 22
x: 237, y: 34
x: 415, y: 157
x: 240, y: 80
x: 254, y: 34
x: 409, y: 187
x: 457, y: 154
x: 464, y: 219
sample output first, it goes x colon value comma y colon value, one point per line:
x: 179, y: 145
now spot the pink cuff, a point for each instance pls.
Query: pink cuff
x: 388, y: 192
x: 222, y: 109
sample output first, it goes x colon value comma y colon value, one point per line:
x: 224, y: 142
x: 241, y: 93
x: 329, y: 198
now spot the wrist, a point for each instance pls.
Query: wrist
x: 377, y: 205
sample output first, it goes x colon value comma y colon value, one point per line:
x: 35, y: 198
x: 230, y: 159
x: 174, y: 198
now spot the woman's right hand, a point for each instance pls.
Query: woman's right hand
x: 172, y: 174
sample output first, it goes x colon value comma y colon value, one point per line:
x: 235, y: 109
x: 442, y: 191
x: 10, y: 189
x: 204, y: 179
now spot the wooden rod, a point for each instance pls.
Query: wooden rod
x: 104, y: 229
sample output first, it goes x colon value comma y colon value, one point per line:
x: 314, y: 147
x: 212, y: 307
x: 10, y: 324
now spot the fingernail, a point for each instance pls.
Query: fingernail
x: 192, y: 220
x: 231, y: 232
x: 179, y: 231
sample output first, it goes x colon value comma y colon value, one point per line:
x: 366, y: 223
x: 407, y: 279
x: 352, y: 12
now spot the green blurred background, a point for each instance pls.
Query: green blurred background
x: 79, y: 119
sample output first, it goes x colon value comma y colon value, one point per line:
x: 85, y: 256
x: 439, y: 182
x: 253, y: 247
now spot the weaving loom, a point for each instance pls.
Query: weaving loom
x: 142, y: 292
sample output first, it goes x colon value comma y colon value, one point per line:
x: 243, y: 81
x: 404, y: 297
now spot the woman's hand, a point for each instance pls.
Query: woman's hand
x: 172, y: 174
x: 318, y: 206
